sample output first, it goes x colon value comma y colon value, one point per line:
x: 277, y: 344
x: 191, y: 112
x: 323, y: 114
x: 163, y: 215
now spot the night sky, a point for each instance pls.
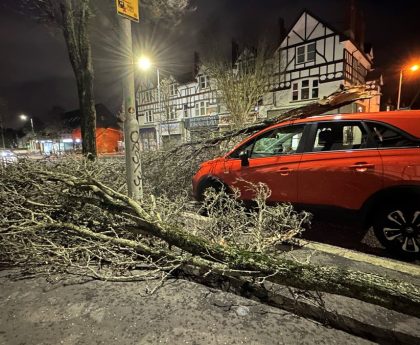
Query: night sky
x: 36, y: 74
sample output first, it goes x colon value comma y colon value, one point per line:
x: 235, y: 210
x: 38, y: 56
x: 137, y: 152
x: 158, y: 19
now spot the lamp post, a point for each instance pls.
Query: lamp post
x: 25, y: 118
x: 131, y: 127
x: 413, y: 68
x: 145, y: 64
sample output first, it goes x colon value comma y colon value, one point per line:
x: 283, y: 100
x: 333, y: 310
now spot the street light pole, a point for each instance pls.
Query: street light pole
x: 26, y: 117
x: 32, y: 126
x: 413, y: 68
x: 144, y: 64
x: 160, y: 110
x: 399, y: 90
x: 131, y: 128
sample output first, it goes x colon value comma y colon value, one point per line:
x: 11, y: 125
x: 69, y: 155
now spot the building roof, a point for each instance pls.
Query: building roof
x: 104, y: 118
x: 365, y: 48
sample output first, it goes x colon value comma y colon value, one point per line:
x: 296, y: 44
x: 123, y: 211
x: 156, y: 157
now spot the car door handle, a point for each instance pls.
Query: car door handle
x: 285, y: 171
x: 362, y: 166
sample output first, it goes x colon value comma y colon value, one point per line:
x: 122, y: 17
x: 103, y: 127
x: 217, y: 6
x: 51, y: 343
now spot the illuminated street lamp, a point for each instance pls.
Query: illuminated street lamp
x: 144, y: 64
x: 25, y: 117
x: 412, y: 68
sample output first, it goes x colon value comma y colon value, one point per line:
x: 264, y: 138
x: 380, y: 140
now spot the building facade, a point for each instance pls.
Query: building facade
x: 312, y: 61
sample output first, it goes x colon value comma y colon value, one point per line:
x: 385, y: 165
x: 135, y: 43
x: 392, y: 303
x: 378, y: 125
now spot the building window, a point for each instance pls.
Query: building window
x: 314, y: 88
x: 173, y: 89
x: 301, y: 54
x: 185, y: 110
x: 149, y: 116
x: 295, y: 91
x: 203, y: 81
x: 308, y: 89
x: 201, y: 108
x: 172, y: 113
x: 306, y: 53
x: 147, y: 96
x: 310, y: 52
x: 304, y: 91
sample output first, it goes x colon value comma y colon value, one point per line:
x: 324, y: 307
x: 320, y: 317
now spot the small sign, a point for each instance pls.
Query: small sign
x: 131, y: 110
x: 128, y: 9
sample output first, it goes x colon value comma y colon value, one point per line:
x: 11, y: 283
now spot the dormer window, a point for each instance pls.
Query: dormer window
x: 203, y: 81
x: 306, y: 53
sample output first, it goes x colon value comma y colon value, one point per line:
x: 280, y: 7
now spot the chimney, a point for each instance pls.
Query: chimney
x: 197, y: 63
x: 282, y: 30
x: 235, y: 51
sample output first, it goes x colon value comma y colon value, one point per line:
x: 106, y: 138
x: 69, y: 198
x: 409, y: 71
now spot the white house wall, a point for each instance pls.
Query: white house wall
x: 335, y: 62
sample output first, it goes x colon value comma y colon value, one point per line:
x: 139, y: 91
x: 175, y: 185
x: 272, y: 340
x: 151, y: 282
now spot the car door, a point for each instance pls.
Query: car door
x: 400, y: 154
x: 273, y: 159
x: 341, y: 166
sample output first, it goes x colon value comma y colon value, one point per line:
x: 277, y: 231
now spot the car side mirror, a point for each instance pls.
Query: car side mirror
x: 243, y: 155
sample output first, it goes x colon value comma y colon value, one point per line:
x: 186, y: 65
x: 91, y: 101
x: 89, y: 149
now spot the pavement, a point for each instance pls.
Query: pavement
x: 35, y: 311
x: 70, y: 310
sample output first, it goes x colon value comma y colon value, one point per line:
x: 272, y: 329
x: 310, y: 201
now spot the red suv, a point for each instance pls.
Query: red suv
x: 364, y: 162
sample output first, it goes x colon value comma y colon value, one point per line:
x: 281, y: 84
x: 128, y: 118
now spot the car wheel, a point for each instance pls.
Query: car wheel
x: 397, y: 227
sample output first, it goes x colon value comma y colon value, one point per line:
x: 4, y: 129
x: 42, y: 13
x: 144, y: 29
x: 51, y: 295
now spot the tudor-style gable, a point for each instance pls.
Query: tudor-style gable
x: 311, y: 49
x: 306, y: 28
x: 313, y: 60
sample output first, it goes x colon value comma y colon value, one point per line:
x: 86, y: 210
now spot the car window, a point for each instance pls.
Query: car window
x: 334, y: 136
x: 279, y: 141
x: 385, y: 136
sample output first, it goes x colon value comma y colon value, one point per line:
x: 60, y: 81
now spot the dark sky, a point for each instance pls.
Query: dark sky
x: 35, y: 73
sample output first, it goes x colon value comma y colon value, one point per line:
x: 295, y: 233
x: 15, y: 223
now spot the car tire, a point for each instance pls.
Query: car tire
x: 397, y: 227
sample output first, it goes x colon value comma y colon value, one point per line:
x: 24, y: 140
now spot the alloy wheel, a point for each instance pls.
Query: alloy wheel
x: 403, y: 228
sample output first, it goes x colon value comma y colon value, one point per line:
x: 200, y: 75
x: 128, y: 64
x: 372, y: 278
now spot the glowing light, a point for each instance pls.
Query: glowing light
x: 144, y: 63
x: 414, y: 68
x: 23, y: 117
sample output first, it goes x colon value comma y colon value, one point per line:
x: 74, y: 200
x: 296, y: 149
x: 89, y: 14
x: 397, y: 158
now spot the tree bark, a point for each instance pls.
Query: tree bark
x: 371, y: 288
x: 75, y: 31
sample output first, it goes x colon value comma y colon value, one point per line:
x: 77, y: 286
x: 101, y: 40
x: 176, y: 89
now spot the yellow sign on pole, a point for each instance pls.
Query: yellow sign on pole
x: 128, y: 9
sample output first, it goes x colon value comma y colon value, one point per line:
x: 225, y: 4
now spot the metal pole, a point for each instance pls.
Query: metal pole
x: 32, y: 126
x: 159, y: 106
x: 131, y: 127
x: 399, y: 90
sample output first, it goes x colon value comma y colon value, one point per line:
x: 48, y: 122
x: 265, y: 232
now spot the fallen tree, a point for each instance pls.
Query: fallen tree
x: 46, y: 202
x: 180, y: 163
x: 340, y: 98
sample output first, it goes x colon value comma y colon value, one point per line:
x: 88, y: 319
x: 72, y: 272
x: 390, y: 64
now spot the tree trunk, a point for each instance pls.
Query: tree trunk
x: 371, y: 288
x: 75, y: 31
x: 88, y: 113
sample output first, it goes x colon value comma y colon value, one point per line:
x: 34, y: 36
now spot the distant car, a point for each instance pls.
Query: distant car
x: 367, y: 163
x: 7, y: 157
